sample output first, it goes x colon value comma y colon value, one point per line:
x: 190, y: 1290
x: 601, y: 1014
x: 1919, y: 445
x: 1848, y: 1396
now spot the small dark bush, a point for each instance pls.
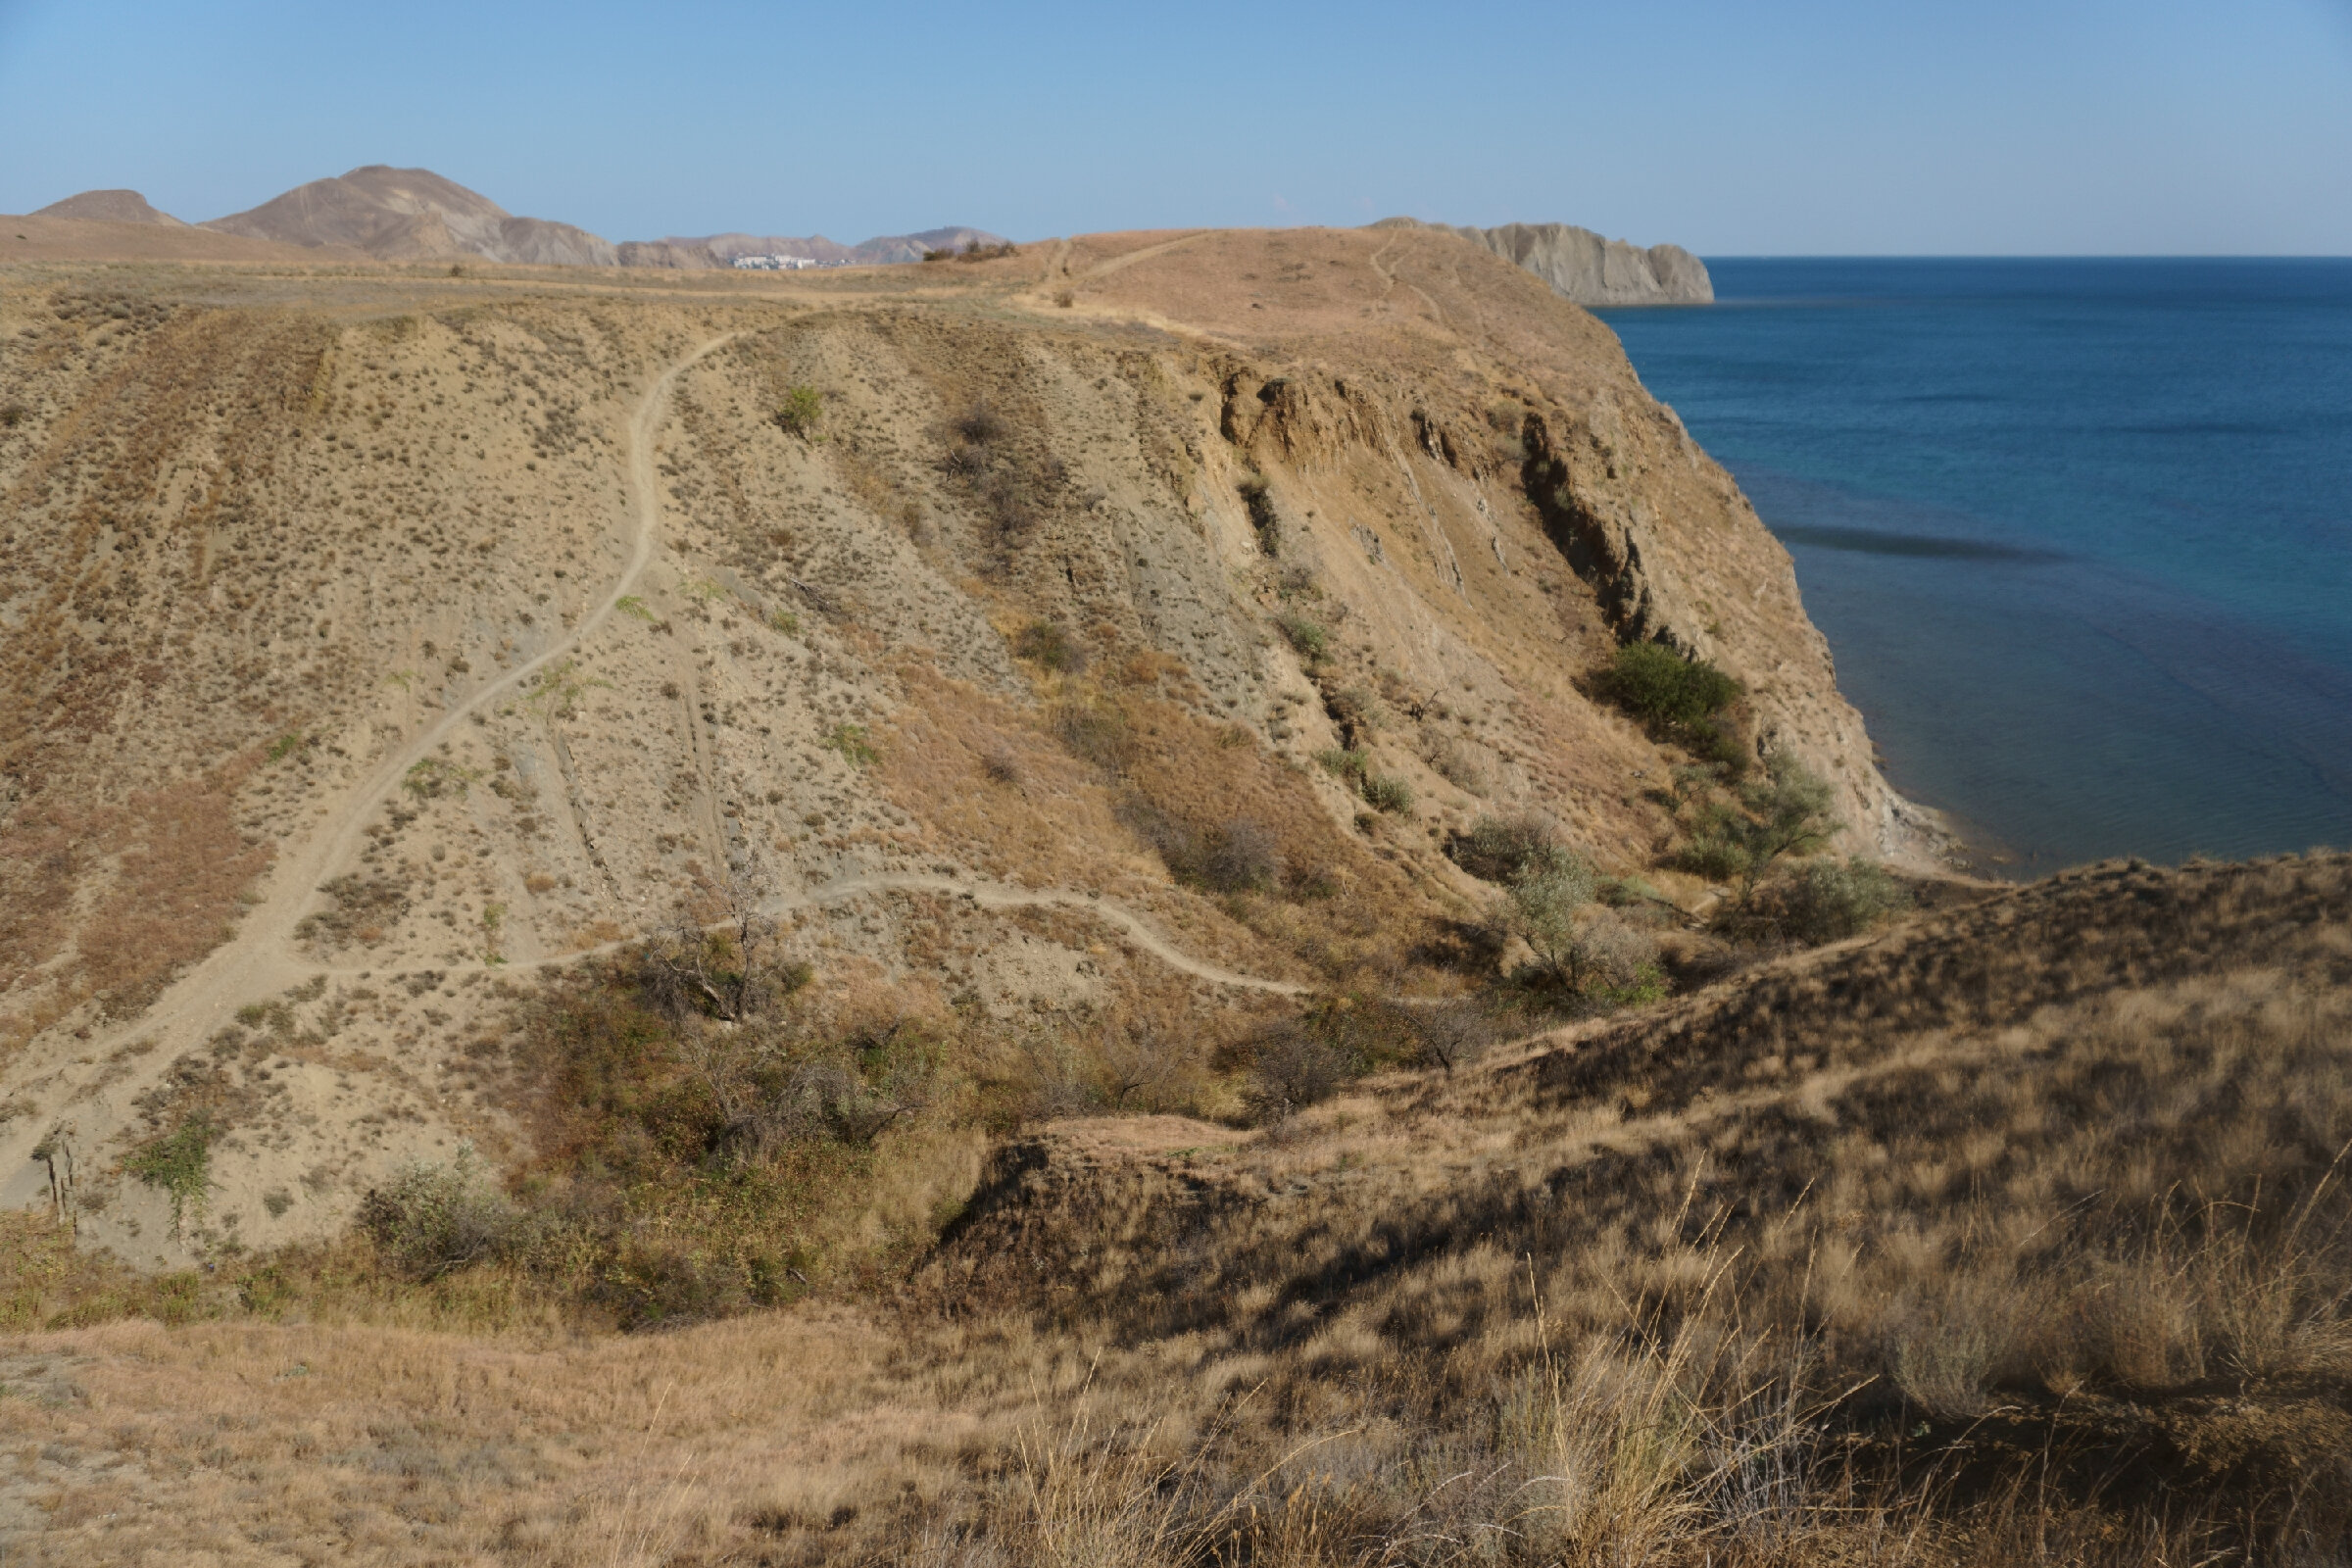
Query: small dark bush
x: 1825, y: 901
x: 982, y: 426
x: 1049, y: 643
x: 1096, y: 733
x: 12, y: 416
x: 1661, y: 688
x: 1262, y: 515
x: 1291, y: 1069
x: 1497, y: 848
x: 1236, y: 855
x: 437, y: 1219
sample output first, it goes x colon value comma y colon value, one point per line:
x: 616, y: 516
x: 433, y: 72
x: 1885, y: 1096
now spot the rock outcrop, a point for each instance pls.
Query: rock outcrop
x: 1587, y: 268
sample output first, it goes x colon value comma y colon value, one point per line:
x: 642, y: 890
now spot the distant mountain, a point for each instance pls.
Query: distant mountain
x: 406, y: 215
x: 402, y: 215
x: 879, y: 251
x: 1583, y: 267
x: 109, y: 207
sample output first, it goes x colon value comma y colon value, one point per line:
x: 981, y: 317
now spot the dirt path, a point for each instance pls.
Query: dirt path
x: 257, y: 962
x: 80, y: 1083
x: 981, y: 894
x: 1119, y: 264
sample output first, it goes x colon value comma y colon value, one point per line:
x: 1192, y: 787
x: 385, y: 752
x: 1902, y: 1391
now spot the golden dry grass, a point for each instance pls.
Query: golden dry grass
x: 2050, y: 1268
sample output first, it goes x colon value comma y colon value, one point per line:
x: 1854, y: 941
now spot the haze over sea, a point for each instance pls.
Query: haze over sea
x: 2078, y: 531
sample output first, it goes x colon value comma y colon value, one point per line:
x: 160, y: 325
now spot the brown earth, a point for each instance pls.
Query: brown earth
x: 494, y: 614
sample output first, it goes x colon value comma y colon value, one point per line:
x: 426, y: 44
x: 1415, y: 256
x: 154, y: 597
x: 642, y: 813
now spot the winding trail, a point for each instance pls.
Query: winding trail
x: 259, y: 960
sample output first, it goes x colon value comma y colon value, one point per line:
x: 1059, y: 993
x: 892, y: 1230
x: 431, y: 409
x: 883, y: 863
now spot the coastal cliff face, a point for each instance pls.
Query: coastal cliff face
x: 1589, y: 270
x: 436, y: 631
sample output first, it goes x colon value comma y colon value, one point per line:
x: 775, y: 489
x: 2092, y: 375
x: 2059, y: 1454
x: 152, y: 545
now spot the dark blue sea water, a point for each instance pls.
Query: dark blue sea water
x: 2080, y: 532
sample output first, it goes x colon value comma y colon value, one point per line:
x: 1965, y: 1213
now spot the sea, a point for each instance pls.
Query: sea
x: 2078, y: 531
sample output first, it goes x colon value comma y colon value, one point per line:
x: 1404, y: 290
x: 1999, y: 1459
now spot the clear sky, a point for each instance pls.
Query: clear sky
x: 1732, y: 126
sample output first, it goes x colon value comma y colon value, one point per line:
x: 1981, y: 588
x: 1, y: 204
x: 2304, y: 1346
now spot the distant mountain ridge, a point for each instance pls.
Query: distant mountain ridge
x: 407, y: 215
x: 1587, y: 268
x: 882, y: 250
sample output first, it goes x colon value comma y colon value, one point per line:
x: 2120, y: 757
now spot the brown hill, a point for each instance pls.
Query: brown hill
x: 398, y: 214
x: 1199, y: 618
x: 109, y: 207
x: 951, y: 813
x: 34, y: 238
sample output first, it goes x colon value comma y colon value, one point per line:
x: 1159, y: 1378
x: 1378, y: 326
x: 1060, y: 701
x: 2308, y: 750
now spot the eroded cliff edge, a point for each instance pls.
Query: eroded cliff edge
x: 1587, y: 268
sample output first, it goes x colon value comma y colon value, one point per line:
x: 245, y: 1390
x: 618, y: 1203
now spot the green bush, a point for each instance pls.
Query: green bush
x: 1784, y: 816
x: 1305, y: 634
x: 803, y: 409
x: 1663, y: 689
x: 1385, y: 792
x: 178, y: 1163
x: 850, y: 742
x: 1352, y: 766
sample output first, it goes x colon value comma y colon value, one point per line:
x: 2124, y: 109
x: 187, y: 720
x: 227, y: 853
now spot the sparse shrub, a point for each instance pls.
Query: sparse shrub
x: 1666, y: 691
x: 178, y: 1163
x: 1348, y: 764
x: 1496, y: 849
x: 1828, y: 901
x: 801, y: 411
x: 850, y: 742
x: 1002, y: 766
x: 1049, y: 643
x: 1094, y: 732
x: 1355, y: 711
x: 432, y: 777
x: 1237, y: 855
x: 1290, y: 1069
x: 1305, y: 634
x: 785, y: 621
x: 12, y: 414
x: 1065, y: 299
x: 1549, y: 895
x: 433, y: 1220
x: 1452, y: 762
x: 1785, y: 814
x: 1263, y: 519
x: 1385, y: 792
x: 981, y: 424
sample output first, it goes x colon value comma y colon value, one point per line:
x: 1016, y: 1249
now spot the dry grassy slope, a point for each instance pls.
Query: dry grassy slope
x: 276, y: 549
x: 2054, y: 1170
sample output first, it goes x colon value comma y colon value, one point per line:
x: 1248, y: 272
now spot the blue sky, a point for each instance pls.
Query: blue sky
x: 1817, y: 126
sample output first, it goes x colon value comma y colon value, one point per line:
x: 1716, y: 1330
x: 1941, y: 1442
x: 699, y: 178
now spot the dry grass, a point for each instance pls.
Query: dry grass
x: 2049, y: 1270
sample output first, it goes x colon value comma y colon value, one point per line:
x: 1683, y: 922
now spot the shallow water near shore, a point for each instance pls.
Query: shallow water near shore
x: 2078, y: 531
